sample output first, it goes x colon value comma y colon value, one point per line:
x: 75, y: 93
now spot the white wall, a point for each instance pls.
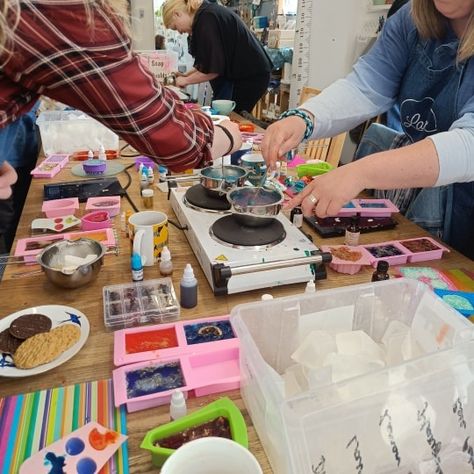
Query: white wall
x: 143, y: 24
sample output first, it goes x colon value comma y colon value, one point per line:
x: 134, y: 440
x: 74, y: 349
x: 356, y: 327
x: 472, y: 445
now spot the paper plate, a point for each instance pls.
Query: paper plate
x: 59, y: 316
x: 216, y: 119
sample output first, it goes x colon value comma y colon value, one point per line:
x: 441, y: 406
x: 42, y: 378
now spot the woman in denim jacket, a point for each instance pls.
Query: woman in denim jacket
x: 421, y: 63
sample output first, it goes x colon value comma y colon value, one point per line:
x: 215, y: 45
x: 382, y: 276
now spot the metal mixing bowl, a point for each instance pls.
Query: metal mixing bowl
x: 255, y: 207
x: 54, y: 261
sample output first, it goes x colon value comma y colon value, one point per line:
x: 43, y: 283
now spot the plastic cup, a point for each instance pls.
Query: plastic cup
x: 211, y: 455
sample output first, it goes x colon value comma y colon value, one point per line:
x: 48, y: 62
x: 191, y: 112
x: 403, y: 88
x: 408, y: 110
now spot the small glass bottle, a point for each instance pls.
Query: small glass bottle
x: 381, y: 273
x: 150, y: 175
x: 296, y: 216
x: 166, y: 265
x: 147, y: 196
x: 353, y: 231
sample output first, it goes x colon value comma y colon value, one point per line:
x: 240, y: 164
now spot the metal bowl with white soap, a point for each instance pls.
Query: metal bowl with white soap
x: 255, y: 206
x: 72, y: 263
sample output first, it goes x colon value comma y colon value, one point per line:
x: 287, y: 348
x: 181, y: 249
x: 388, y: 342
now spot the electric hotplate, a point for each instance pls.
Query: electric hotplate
x: 83, y: 189
x: 335, y: 226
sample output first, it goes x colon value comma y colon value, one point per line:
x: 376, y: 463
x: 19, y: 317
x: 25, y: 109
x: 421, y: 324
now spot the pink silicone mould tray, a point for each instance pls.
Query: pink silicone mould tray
x: 149, y: 384
x: 392, y: 252
x: 30, y: 247
x: 51, y: 166
x: 369, y: 208
x: 60, y: 207
x: 111, y: 204
x: 173, y: 339
x: 423, y: 248
x: 348, y: 266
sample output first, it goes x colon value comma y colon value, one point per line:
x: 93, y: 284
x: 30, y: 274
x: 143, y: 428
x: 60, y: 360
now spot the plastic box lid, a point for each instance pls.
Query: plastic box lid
x: 144, y: 302
x: 67, y: 131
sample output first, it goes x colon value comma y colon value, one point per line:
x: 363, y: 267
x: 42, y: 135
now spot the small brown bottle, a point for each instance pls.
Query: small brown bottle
x: 353, y: 231
x: 381, y: 273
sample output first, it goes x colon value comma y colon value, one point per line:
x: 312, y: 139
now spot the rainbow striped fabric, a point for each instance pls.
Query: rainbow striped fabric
x: 31, y: 421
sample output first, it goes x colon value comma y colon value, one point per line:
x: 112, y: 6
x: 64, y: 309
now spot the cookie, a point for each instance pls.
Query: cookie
x: 8, y: 343
x: 28, y: 325
x: 46, y: 346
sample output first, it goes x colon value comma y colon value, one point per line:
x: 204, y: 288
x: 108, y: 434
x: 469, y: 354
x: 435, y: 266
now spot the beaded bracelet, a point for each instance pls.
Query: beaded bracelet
x: 229, y: 136
x: 301, y: 114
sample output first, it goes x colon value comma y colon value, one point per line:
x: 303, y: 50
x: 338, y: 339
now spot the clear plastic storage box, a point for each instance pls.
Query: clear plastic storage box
x: 144, y: 302
x: 68, y: 131
x: 414, y: 416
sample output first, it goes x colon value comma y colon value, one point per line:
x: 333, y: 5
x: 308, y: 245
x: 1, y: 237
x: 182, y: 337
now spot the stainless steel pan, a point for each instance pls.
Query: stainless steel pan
x: 255, y: 207
x: 217, y: 180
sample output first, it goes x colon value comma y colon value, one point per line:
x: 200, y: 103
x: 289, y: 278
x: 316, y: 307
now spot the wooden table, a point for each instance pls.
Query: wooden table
x: 94, y: 362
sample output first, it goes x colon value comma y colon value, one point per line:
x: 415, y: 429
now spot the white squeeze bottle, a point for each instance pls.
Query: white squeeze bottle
x: 188, y: 288
x: 102, y: 155
x: 178, y: 407
x: 166, y: 265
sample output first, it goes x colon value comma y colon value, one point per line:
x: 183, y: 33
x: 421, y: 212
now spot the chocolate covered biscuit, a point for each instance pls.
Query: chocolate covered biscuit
x: 28, y: 325
x: 8, y: 343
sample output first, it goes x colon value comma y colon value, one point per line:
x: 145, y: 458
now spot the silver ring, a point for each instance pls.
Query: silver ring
x: 313, y: 199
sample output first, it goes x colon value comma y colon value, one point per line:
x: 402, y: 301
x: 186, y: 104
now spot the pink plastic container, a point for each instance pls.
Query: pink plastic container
x: 149, y: 384
x: 347, y: 266
x: 51, y: 166
x: 369, y: 208
x: 111, y: 204
x: 30, y: 247
x: 163, y: 341
x: 96, y: 220
x: 60, y: 207
x: 423, y: 248
x: 392, y: 252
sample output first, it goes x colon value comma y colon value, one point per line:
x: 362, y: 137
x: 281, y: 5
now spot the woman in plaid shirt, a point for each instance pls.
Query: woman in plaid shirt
x: 78, y: 52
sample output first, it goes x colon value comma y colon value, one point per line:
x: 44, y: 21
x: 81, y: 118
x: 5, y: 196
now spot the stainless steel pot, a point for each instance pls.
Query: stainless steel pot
x: 255, y: 207
x: 55, y: 260
x: 217, y: 180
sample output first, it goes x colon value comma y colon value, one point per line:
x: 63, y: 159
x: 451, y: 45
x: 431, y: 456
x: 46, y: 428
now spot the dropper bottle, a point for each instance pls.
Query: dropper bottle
x: 188, y: 288
x: 102, y: 155
x: 178, y: 407
x: 310, y: 287
x: 166, y: 265
x: 90, y: 155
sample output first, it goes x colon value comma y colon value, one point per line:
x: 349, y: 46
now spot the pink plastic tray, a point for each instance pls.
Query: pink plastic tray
x: 30, y: 247
x: 60, y: 207
x: 348, y: 266
x: 423, y: 248
x: 171, y: 340
x: 51, y: 166
x: 111, y: 204
x: 385, y: 251
x: 369, y: 208
x: 203, y: 373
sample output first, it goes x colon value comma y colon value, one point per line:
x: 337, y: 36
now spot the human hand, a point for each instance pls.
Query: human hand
x: 8, y: 177
x: 181, y: 81
x: 220, y: 144
x: 327, y: 193
x: 281, y: 137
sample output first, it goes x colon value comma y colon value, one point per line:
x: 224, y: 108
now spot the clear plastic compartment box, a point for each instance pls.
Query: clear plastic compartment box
x: 68, y: 131
x: 144, y: 302
x: 416, y: 416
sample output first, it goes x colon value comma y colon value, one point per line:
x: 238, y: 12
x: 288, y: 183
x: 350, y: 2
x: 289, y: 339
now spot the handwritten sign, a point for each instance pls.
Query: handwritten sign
x: 160, y: 63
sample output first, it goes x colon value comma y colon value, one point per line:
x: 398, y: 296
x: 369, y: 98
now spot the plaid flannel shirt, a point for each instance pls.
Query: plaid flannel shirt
x: 87, y: 63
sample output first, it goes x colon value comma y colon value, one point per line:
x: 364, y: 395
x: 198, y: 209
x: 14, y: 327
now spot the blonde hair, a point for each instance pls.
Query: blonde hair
x: 10, y: 16
x: 172, y: 6
x: 431, y: 24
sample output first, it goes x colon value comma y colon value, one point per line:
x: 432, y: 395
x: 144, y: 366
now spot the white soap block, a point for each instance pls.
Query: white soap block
x: 314, y: 349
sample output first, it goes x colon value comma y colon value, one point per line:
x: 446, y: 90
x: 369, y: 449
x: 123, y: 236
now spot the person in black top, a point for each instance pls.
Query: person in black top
x: 225, y: 51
